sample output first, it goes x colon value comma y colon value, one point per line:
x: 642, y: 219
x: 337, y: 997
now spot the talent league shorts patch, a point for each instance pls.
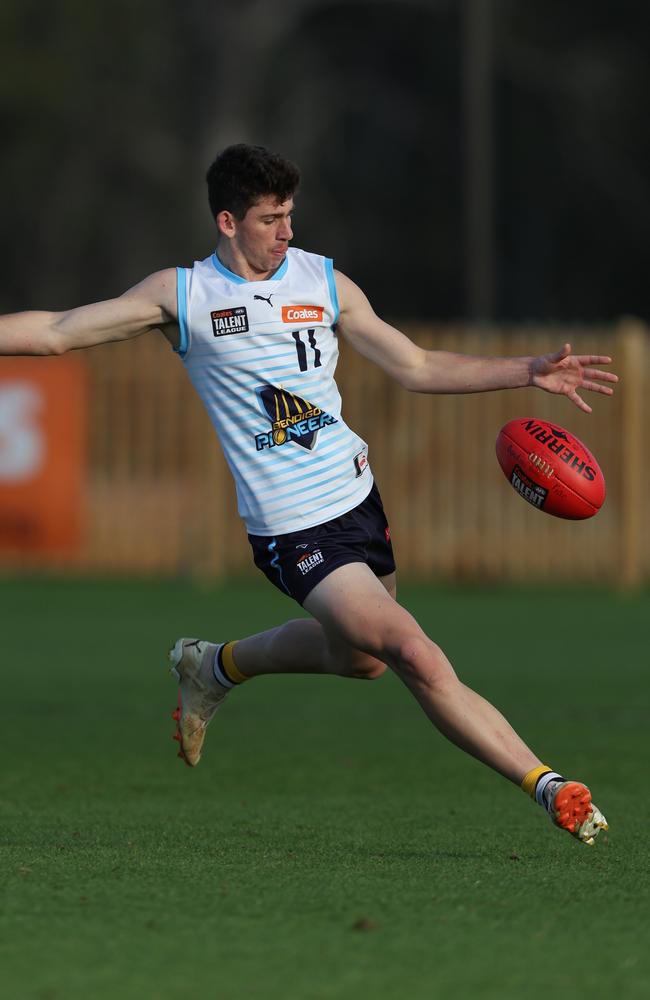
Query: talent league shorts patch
x: 297, y: 561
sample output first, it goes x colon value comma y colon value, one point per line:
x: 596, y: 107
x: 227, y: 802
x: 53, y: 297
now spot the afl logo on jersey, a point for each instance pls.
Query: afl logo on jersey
x: 225, y: 321
x: 302, y: 314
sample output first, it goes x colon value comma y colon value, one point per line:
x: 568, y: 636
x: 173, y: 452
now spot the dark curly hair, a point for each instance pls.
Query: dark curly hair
x: 243, y: 174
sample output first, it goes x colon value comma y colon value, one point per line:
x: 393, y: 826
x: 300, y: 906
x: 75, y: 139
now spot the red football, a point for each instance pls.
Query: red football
x: 550, y: 468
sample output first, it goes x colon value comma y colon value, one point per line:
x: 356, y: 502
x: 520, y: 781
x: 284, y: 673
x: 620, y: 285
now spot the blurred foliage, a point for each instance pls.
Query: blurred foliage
x: 111, y: 112
x: 574, y: 158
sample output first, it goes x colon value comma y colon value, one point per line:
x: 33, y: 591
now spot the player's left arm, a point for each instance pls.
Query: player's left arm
x: 446, y: 372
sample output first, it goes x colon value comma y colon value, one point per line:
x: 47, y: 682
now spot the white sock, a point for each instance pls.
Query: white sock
x: 218, y: 672
x: 546, y: 786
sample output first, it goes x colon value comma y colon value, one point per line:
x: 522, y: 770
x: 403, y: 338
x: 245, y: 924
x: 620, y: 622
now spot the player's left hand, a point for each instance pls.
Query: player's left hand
x: 564, y: 373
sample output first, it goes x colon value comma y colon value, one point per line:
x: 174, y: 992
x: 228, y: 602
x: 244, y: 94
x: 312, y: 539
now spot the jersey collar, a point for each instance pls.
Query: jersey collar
x: 237, y: 278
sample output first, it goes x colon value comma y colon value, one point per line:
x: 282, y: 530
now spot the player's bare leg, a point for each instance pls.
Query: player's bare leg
x: 360, y: 629
x: 207, y: 671
x: 301, y: 646
x: 353, y: 607
x: 458, y: 712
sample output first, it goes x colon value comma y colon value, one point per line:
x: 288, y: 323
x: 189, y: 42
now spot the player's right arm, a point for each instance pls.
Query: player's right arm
x: 150, y: 305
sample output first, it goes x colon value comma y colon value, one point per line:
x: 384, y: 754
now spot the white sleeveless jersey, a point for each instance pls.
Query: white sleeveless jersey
x: 261, y: 355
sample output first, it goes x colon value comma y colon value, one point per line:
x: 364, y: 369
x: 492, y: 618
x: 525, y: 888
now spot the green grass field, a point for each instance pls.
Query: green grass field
x: 331, y: 844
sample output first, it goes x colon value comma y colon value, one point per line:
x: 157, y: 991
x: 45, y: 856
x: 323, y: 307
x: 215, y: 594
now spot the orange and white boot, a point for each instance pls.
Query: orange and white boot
x: 570, y: 807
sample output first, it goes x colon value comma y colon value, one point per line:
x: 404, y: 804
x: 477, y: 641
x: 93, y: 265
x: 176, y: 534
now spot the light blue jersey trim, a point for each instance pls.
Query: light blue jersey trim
x: 281, y: 271
x: 230, y: 275
x: 331, y: 284
x: 237, y: 278
x: 275, y: 562
x: 181, y: 298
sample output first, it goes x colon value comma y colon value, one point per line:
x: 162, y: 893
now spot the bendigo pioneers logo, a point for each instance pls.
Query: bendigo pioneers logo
x: 292, y: 418
x: 301, y: 314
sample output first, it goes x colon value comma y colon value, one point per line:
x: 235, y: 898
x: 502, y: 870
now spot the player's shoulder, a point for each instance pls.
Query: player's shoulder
x: 297, y: 253
x: 158, y: 287
x: 315, y: 265
x: 207, y: 264
x: 348, y: 289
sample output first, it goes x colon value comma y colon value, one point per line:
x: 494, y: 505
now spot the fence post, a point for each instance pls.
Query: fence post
x: 632, y: 335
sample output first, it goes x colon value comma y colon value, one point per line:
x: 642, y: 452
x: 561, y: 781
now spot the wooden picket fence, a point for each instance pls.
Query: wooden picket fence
x: 160, y: 498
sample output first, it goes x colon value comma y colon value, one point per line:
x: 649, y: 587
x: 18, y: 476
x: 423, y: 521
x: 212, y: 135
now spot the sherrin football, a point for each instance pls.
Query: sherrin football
x: 550, y: 468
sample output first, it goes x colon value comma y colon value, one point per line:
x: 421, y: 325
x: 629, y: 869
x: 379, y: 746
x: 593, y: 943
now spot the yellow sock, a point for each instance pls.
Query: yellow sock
x: 530, y: 780
x: 228, y: 665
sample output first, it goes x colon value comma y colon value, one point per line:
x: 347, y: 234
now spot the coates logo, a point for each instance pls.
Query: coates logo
x: 302, y: 314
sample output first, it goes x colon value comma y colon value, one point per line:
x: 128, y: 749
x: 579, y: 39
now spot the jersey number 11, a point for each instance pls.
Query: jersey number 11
x: 301, y: 350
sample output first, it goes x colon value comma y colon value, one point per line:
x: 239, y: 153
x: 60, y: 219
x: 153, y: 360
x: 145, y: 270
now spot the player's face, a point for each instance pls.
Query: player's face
x: 263, y: 235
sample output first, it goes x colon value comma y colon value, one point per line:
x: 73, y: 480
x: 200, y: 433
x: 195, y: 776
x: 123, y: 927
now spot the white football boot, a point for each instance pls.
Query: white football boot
x: 199, y: 695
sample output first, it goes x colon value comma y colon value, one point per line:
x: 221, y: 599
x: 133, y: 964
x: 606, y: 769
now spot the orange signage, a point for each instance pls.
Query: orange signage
x: 42, y: 455
x: 302, y: 314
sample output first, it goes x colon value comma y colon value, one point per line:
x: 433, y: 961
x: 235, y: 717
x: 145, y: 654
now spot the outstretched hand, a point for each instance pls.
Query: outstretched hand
x: 564, y: 373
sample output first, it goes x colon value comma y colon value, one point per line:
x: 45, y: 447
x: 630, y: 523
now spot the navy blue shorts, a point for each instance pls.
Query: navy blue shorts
x: 297, y: 561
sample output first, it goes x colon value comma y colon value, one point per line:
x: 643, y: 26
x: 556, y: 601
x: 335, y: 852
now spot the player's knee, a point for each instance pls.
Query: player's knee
x: 420, y: 660
x: 359, y: 666
x: 364, y: 668
x: 370, y: 670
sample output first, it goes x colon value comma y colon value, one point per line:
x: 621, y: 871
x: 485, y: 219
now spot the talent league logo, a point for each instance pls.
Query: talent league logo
x: 227, y: 321
x: 528, y: 488
x: 292, y: 418
x: 309, y: 561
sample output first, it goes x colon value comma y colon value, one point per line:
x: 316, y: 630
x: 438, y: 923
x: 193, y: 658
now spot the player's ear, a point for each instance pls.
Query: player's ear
x: 226, y: 223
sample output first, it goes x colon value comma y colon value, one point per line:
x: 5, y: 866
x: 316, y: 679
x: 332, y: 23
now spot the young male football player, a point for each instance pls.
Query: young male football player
x: 256, y: 325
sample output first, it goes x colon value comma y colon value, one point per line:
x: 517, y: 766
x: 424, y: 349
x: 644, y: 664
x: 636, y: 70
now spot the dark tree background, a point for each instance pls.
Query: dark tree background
x: 111, y: 112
